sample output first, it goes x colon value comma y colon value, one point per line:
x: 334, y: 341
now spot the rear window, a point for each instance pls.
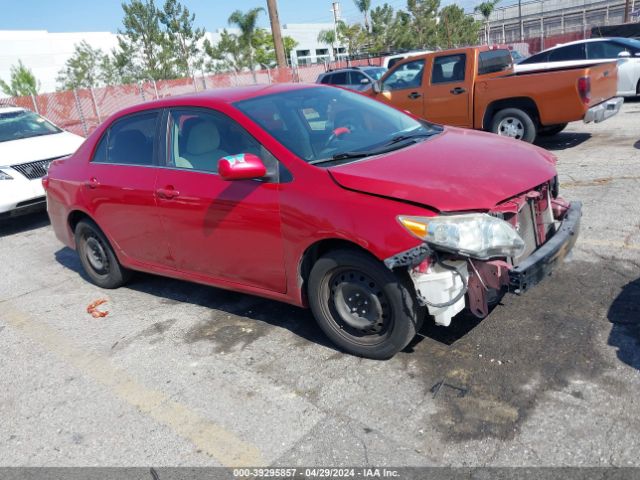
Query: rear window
x: 494, y: 61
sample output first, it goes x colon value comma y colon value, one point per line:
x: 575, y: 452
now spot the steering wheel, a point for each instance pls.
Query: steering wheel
x: 337, y: 133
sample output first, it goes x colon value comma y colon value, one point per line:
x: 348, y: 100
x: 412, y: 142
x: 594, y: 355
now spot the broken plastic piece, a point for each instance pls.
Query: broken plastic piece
x: 92, y: 308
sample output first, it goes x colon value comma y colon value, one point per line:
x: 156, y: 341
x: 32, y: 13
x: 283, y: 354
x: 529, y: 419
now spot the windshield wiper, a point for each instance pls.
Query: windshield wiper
x: 413, y: 136
x: 342, y: 156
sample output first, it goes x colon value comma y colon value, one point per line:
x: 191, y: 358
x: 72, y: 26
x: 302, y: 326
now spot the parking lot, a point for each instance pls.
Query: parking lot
x: 182, y: 374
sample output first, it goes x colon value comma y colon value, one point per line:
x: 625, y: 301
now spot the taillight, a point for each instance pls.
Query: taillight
x: 584, y: 89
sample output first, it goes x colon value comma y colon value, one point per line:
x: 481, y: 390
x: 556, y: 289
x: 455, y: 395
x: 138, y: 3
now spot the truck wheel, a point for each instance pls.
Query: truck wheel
x: 552, y: 130
x: 97, y: 257
x: 514, y: 123
x: 361, y: 305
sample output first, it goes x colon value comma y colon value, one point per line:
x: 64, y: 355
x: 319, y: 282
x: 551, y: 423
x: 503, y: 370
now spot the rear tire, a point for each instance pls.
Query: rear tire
x: 552, y: 130
x: 97, y: 257
x: 514, y: 123
x: 362, y: 306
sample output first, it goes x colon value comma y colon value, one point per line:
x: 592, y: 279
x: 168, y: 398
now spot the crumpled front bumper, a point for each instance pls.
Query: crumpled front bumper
x: 604, y: 110
x: 541, y: 262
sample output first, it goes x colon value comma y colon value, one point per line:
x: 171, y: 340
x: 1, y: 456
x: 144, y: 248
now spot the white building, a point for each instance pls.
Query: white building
x: 46, y: 53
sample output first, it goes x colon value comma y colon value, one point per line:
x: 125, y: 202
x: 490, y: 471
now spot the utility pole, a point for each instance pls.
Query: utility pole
x: 520, y: 20
x: 626, y: 11
x: 277, y: 34
x: 335, y: 7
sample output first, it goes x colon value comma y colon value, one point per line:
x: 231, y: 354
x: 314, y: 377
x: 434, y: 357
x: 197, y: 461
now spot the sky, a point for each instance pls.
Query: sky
x: 106, y: 15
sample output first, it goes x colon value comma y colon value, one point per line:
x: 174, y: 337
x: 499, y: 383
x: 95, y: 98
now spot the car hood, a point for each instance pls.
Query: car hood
x: 457, y: 170
x: 15, y: 152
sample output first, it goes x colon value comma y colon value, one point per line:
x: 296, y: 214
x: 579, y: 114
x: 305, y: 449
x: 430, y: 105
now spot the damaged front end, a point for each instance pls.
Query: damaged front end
x: 470, y: 260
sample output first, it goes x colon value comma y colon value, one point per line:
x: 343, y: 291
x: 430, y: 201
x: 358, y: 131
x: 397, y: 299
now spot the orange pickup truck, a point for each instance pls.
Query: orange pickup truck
x: 477, y: 87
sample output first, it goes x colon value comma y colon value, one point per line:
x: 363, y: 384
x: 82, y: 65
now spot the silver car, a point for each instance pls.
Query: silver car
x: 595, y: 50
x: 354, y: 78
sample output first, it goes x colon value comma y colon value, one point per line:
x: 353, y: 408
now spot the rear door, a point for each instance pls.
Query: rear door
x: 217, y: 229
x: 119, y: 188
x: 402, y: 87
x: 448, y: 96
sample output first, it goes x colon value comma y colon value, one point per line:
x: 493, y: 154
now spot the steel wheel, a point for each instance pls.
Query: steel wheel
x: 511, y: 127
x: 97, y: 257
x: 360, y: 307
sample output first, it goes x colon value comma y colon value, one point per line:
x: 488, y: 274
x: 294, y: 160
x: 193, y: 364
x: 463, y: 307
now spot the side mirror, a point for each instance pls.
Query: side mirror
x: 624, y: 54
x: 364, y: 80
x: 377, y: 88
x: 244, y: 166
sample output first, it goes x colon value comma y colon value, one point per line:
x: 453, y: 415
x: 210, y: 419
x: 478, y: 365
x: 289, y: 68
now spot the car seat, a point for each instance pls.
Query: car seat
x: 202, y: 146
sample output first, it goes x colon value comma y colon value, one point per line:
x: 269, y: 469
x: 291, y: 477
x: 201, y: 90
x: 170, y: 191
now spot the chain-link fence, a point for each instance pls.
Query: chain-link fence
x: 81, y: 111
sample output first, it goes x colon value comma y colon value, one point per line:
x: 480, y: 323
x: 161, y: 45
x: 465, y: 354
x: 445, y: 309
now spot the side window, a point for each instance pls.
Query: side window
x: 357, y: 78
x: 603, y: 50
x: 570, y: 52
x: 448, y: 69
x: 339, y: 78
x: 129, y: 141
x: 326, y: 79
x: 407, y: 75
x: 538, y: 58
x: 200, y: 138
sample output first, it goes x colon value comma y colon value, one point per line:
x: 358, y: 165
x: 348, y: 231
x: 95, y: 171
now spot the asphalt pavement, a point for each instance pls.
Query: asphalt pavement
x: 181, y: 374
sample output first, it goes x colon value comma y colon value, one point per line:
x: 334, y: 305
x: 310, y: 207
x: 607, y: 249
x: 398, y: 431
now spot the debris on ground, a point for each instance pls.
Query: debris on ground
x: 92, y: 308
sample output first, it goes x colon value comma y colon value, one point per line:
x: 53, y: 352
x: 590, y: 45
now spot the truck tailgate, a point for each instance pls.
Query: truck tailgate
x: 604, y: 81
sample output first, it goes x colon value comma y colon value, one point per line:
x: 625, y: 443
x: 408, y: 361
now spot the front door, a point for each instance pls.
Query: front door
x: 227, y: 230
x: 448, y: 98
x: 403, y: 87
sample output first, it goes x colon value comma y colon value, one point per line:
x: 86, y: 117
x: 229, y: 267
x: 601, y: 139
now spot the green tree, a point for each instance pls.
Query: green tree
x: 227, y: 54
x: 486, y: 9
x: 364, y: 6
x: 142, y: 35
x: 352, y: 36
x: 328, y: 37
x: 265, y: 52
x: 456, y: 28
x: 22, y: 82
x: 247, y: 23
x: 423, y: 15
x: 83, y: 69
x: 182, y: 37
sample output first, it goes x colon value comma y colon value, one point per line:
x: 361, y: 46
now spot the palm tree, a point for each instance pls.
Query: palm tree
x: 246, y: 22
x: 486, y: 9
x: 364, y: 6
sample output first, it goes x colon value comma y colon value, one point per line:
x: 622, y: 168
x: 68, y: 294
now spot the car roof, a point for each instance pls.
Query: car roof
x: 586, y: 40
x: 217, y: 96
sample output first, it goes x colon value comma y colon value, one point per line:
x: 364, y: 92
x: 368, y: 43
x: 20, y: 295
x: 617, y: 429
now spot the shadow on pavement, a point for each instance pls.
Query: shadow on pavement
x: 562, y: 140
x: 23, y: 223
x: 236, y: 318
x: 624, y: 314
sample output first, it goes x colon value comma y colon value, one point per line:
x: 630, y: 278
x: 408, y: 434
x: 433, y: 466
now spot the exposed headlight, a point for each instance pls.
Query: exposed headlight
x: 475, y: 235
x: 5, y: 176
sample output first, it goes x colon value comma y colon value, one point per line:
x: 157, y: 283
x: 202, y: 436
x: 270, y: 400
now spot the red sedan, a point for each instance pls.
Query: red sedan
x: 318, y: 197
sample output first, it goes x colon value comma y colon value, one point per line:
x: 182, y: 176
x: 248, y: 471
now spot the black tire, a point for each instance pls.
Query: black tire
x: 514, y: 123
x: 552, y: 130
x: 344, y: 280
x: 97, y: 257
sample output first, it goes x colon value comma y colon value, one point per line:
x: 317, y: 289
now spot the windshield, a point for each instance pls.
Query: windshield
x: 16, y: 125
x: 375, y: 73
x: 326, y: 124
